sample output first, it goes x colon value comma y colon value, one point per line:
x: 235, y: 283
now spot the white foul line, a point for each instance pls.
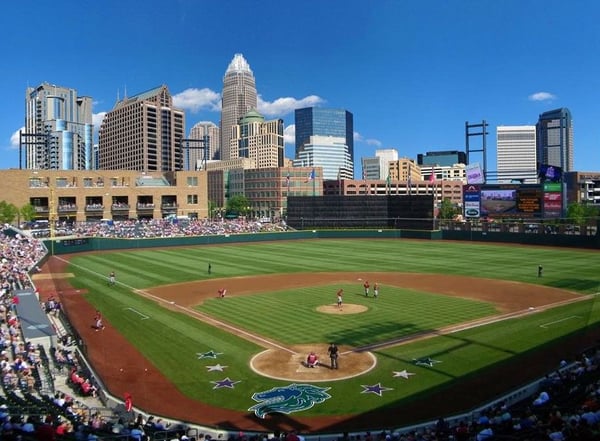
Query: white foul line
x: 144, y: 316
x: 547, y: 325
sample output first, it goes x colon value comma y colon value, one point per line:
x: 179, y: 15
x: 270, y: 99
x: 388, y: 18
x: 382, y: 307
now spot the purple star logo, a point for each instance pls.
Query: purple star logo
x: 227, y: 382
x: 376, y: 389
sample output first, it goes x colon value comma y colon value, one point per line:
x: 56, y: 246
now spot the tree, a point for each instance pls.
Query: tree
x: 8, y: 212
x: 238, y: 204
x: 447, y: 209
x: 212, y: 209
x: 578, y: 213
x: 27, y: 212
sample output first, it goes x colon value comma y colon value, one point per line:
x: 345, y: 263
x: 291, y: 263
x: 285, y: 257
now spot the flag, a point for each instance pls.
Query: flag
x: 287, y: 181
x: 311, y: 176
x: 388, y: 180
x: 432, y: 175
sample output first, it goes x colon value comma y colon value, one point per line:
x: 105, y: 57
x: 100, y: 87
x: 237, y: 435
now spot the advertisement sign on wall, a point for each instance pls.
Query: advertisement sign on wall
x: 472, y: 201
x: 474, y: 174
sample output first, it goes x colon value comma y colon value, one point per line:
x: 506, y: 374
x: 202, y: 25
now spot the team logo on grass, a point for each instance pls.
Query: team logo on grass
x: 425, y: 361
x: 288, y: 399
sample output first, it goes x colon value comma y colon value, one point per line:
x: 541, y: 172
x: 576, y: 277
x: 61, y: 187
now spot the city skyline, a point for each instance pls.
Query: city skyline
x: 411, y: 74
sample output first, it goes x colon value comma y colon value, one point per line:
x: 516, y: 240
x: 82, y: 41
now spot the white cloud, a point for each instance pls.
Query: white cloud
x: 283, y: 106
x: 195, y: 100
x: 97, y: 119
x: 14, y: 138
x: 542, y: 96
x: 369, y: 141
x: 375, y: 142
x: 289, y: 134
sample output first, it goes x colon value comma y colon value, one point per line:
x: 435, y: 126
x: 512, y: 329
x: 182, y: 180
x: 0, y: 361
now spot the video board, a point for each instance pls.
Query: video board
x: 504, y: 200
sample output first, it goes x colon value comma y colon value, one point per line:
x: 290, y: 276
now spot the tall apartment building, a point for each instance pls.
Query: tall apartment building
x: 58, y: 131
x: 143, y: 133
x: 207, y: 148
x: 328, y: 152
x: 324, y: 122
x: 238, y: 98
x: 516, y: 158
x: 258, y: 140
x: 555, y: 139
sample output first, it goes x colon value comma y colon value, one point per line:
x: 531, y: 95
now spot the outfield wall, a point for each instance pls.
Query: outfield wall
x: 77, y: 245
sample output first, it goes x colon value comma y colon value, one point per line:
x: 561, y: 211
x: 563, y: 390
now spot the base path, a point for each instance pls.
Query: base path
x: 156, y: 395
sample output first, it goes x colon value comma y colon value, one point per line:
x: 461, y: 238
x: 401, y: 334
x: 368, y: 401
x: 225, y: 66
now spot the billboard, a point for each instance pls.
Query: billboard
x: 549, y: 173
x: 552, y: 199
x: 472, y: 200
x: 503, y: 200
x: 474, y: 174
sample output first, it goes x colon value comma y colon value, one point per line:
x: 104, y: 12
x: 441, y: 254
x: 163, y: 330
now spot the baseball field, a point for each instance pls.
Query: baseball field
x: 454, y: 324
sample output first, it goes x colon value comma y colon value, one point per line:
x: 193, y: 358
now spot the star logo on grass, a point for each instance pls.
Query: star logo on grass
x: 403, y: 374
x: 376, y: 389
x: 216, y: 367
x: 209, y: 354
x: 224, y: 383
x: 425, y: 361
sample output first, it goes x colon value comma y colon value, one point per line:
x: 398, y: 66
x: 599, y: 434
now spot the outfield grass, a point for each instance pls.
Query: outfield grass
x: 171, y: 340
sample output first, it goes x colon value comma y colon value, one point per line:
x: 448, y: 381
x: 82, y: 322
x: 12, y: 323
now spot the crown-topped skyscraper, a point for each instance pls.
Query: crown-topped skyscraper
x: 238, y: 97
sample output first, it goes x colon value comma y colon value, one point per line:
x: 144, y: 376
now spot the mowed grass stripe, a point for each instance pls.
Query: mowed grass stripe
x: 290, y: 316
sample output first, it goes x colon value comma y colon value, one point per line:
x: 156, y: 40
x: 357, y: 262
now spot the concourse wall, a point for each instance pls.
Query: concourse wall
x: 69, y: 246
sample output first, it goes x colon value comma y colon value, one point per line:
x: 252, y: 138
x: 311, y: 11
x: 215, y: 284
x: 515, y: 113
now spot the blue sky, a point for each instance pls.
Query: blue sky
x: 411, y: 72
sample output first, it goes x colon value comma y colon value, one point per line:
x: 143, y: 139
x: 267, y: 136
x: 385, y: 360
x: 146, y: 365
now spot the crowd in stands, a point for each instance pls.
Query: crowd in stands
x: 151, y: 228
x: 565, y: 407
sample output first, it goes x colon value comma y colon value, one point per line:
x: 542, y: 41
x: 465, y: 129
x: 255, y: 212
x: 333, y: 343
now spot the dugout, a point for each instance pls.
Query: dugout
x: 410, y: 212
x: 35, y: 325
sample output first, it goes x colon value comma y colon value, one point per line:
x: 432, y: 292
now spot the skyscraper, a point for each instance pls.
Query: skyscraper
x: 257, y: 139
x: 211, y: 136
x: 143, y: 133
x: 555, y: 139
x: 516, y: 154
x: 328, y: 152
x: 58, y: 129
x: 323, y: 122
x: 238, y: 98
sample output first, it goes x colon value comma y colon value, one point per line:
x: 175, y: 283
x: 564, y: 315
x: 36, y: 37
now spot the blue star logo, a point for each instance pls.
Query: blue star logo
x: 209, y: 354
x: 227, y: 382
x: 376, y: 389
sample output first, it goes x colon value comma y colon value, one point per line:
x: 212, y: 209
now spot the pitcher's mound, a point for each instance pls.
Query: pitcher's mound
x: 346, y: 309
